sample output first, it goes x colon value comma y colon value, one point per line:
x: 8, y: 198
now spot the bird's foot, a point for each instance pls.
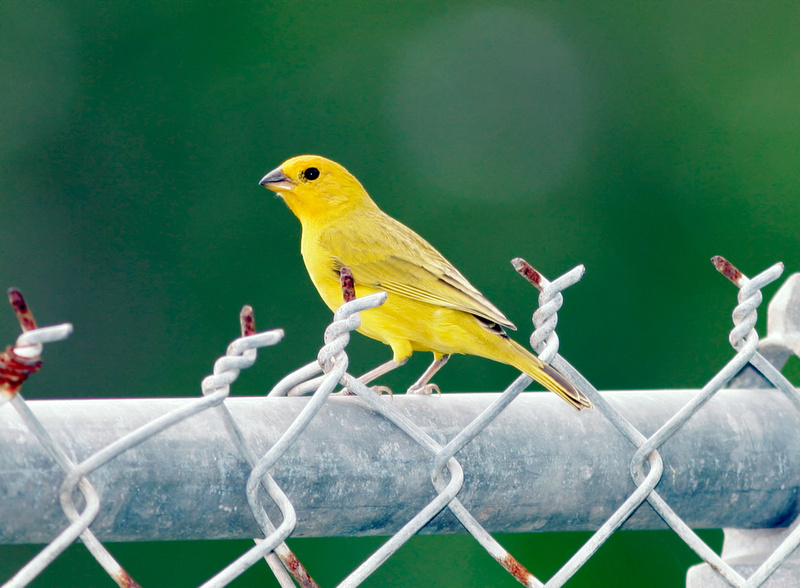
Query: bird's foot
x: 380, y: 390
x: 424, y: 389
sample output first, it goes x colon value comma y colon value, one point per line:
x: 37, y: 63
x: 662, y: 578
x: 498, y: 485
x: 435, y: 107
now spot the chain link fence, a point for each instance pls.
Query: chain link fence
x: 361, y: 463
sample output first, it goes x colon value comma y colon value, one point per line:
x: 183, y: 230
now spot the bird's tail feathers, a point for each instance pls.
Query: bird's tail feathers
x: 547, y: 376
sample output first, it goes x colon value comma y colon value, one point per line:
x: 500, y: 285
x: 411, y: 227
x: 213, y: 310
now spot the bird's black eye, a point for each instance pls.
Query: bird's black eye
x: 311, y: 173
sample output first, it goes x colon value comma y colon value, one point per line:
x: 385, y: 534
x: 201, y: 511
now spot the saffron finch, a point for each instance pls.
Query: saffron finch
x: 430, y: 305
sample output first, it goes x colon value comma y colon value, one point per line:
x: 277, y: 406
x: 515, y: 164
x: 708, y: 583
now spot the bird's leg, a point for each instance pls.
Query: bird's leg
x: 376, y: 373
x: 382, y: 369
x: 422, y: 386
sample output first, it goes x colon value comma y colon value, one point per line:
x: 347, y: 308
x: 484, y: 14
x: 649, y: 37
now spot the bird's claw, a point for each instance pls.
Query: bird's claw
x: 424, y: 389
x: 343, y: 392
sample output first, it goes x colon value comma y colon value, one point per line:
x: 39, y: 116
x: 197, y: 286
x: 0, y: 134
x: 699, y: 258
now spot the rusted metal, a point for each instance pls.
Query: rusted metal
x: 24, y: 314
x: 527, y: 271
x: 516, y: 569
x: 727, y: 269
x: 348, y: 285
x: 247, y: 321
x: 15, y: 368
x: 297, y: 570
x: 124, y: 580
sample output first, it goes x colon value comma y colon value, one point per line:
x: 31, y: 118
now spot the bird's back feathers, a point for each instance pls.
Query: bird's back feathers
x: 384, y: 254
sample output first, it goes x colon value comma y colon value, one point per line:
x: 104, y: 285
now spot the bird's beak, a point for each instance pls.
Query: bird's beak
x: 276, y: 180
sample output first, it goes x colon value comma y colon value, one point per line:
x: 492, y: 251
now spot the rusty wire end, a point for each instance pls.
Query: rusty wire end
x: 526, y: 271
x: 247, y: 321
x: 124, y: 579
x: 24, y: 314
x: 14, y: 370
x: 348, y: 285
x: 516, y: 569
x: 297, y: 570
x: 727, y: 269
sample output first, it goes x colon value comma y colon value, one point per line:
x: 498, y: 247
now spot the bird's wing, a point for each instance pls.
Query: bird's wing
x: 386, y: 255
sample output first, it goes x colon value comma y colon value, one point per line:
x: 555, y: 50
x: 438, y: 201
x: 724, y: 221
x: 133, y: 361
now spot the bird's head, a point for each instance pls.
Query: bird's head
x: 314, y: 187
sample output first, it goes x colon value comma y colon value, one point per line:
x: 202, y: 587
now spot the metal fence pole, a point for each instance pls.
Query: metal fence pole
x: 539, y: 467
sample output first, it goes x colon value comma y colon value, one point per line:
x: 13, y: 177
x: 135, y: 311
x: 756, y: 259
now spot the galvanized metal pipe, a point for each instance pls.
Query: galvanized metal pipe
x: 539, y: 466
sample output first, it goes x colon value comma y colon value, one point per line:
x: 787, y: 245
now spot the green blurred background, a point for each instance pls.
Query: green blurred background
x: 638, y: 139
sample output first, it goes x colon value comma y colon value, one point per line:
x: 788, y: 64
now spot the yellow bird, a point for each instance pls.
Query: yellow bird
x: 430, y: 305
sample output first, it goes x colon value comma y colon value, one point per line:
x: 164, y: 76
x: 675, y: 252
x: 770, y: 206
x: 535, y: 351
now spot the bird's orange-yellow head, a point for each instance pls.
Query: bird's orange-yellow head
x: 314, y: 187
